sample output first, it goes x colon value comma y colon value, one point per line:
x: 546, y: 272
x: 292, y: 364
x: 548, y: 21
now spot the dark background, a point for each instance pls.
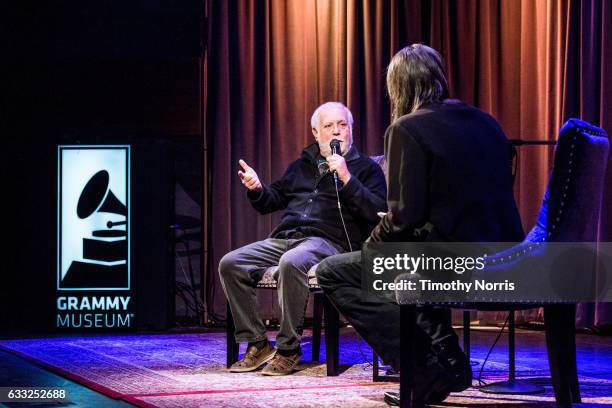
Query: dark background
x: 87, y: 73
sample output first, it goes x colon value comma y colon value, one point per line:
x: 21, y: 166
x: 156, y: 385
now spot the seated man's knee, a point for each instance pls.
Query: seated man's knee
x: 227, y: 265
x: 296, y: 264
x: 333, y: 269
x: 288, y: 263
x: 324, y: 272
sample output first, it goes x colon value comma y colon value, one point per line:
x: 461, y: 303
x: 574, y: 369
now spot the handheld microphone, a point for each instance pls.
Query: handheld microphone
x: 334, y: 145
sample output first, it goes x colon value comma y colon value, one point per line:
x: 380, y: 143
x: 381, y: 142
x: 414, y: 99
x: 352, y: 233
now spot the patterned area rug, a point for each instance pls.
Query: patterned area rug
x: 188, y: 370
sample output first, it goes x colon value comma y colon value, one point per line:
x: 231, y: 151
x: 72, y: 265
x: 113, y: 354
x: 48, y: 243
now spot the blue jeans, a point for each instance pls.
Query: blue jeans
x: 241, y: 270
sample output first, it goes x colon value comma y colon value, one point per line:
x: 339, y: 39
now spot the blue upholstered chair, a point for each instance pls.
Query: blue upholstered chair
x: 569, y: 213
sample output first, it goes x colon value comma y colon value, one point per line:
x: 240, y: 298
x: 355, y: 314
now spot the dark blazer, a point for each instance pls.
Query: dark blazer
x: 449, y: 171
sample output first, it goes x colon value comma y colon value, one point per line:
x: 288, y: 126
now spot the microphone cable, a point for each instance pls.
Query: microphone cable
x: 334, y: 145
x: 348, y: 240
x: 481, y: 383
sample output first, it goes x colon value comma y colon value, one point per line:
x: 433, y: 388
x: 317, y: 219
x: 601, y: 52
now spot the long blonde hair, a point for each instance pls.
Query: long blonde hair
x: 415, y: 77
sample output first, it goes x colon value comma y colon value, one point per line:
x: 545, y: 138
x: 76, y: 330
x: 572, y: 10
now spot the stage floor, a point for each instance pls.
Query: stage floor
x: 188, y: 370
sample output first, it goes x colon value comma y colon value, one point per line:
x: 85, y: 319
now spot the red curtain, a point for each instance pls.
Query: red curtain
x: 530, y: 63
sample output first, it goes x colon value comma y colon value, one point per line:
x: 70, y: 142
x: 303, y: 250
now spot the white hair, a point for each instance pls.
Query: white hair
x: 314, y: 121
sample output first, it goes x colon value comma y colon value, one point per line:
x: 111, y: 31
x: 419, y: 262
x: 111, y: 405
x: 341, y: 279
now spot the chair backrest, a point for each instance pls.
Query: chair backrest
x: 572, y: 203
x: 382, y: 162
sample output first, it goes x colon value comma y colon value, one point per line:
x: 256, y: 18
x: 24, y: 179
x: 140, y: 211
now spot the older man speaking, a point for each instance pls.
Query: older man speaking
x: 313, y: 226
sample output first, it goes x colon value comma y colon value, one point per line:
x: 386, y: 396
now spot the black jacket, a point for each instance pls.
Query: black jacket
x: 310, y: 203
x: 449, y: 168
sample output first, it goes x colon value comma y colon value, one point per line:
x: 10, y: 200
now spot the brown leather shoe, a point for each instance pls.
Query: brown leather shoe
x: 282, y: 365
x: 253, y: 359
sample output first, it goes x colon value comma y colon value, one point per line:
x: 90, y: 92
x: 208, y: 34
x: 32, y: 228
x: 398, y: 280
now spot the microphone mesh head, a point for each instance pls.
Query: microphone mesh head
x: 334, y: 144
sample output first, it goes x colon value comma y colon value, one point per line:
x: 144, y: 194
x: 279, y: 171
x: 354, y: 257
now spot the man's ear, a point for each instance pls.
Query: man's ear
x: 315, y: 133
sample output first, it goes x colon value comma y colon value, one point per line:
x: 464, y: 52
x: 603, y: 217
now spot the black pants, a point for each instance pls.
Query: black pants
x: 377, y: 320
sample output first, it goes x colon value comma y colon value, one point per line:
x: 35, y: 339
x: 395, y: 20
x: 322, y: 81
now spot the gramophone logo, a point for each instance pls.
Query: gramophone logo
x: 93, y: 218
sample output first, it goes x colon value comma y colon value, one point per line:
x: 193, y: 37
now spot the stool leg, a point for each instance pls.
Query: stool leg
x: 232, y: 346
x: 332, y: 337
x: 375, y: 366
x: 317, y: 319
x: 512, y: 385
x: 466, y: 333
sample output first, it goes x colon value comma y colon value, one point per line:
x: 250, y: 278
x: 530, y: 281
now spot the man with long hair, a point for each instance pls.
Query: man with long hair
x: 449, y: 180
